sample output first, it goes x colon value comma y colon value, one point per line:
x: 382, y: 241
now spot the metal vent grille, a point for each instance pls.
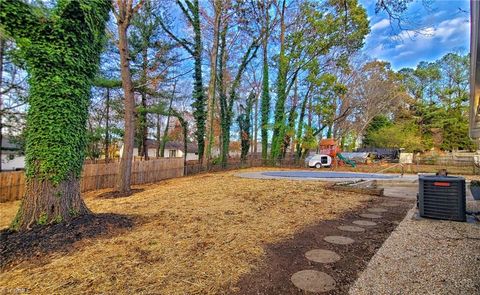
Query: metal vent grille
x: 442, y: 197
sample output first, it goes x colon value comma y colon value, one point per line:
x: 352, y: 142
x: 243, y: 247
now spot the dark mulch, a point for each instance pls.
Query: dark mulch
x: 36, y: 245
x: 286, y: 258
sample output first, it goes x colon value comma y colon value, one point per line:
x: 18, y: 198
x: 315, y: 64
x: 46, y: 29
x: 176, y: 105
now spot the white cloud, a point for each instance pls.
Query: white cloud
x: 410, y: 47
x: 381, y: 25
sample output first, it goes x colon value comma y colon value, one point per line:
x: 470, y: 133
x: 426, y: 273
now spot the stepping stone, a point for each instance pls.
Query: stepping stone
x: 391, y: 204
x: 377, y: 210
x: 322, y: 256
x: 313, y: 281
x: 351, y: 228
x: 340, y: 240
x: 369, y: 215
x: 364, y: 223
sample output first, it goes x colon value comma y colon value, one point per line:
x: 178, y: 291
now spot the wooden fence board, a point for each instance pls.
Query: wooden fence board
x: 99, y: 176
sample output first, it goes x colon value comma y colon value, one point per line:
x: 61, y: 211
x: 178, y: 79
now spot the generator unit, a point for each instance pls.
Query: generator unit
x: 442, y: 197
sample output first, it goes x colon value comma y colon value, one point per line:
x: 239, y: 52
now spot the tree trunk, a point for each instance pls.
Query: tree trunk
x: 291, y: 121
x: 107, y: 126
x: 300, y: 127
x: 165, y: 132
x: 56, y: 122
x: 143, y: 113
x: 143, y: 150
x: 46, y: 203
x: 213, y: 80
x: 223, y: 97
x: 279, y: 124
x: 125, y: 167
x: 255, y: 127
x: 159, y: 142
x: 198, y: 95
x: 265, y: 90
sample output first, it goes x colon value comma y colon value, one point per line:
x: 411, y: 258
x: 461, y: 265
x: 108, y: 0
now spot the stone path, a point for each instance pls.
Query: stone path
x: 317, y: 281
x: 322, y: 256
x: 364, y: 223
x: 339, y: 240
x: 313, y: 281
x: 370, y: 215
x: 351, y: 228
x: 377, y: 210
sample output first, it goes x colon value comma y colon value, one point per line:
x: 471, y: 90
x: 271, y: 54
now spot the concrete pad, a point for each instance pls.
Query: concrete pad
x: 322, y: 256
x: 400, y: 192
x: 331, y: 176
x: 364, y: 223
x: 339, y: 240
x: 313, y: 281
x: 377, y: 210
x: 369, y: 215
x: 351, y: 228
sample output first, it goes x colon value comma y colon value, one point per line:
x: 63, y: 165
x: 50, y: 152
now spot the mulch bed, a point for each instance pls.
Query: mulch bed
x: 36, y: 245
x: 284, y: 259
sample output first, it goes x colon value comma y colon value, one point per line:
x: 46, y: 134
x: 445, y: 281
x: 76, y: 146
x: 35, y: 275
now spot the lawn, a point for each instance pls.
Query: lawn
x: 194, y: 235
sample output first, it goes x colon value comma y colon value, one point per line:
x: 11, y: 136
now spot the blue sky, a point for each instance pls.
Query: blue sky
x: 444, y: 27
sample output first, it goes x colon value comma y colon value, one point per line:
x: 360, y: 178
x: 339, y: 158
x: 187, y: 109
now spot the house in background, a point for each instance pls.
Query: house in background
x: 12, y: 157
x: 173, y: 149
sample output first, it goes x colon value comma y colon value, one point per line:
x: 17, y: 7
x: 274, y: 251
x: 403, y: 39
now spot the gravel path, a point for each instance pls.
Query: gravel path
x: 424, y: 256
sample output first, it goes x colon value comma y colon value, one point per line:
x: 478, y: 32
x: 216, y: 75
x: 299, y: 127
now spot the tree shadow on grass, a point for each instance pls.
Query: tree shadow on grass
x: 117, y: 195
x: 37, y: 245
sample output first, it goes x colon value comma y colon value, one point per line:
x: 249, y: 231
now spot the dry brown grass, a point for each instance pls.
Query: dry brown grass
x: 197, y: 235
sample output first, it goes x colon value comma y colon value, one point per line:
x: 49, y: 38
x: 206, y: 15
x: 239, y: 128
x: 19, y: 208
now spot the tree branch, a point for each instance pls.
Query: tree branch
x: 185, y: 12
x: 182, y: 42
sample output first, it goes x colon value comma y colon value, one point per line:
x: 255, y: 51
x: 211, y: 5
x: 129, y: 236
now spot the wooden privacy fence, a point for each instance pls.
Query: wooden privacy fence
x: 99, y: 176
x: 12, y: 186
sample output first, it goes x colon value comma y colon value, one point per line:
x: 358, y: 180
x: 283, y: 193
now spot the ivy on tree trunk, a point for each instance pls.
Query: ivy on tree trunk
x: 245, y: 125
x: 279, y: 116
x: 226, y: 104
x: 191, y: 10
x: 265, y: 104
x: 61, y: 50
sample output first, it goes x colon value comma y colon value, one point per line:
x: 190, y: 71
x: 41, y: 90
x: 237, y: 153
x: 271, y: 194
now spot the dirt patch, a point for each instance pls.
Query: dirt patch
x: 284, y: 259
x: 37, y: 245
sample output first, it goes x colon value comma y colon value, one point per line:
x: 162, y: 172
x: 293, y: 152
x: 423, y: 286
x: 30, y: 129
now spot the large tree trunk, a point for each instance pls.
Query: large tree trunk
x: 46, y: 203
x: 58, y: 108
x: 125, y: 167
